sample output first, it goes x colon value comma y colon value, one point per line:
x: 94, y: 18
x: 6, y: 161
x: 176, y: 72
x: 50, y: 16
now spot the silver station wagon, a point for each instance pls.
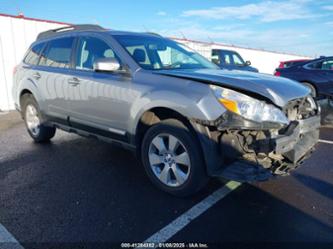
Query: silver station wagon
x: 186, y: 119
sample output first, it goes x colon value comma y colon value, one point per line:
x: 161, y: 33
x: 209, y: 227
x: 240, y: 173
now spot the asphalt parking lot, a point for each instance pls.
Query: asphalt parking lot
x: 78, y: 191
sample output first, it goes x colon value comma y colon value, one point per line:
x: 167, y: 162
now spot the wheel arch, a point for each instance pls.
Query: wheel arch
x: 27, y: 86
x: 312, y: 84
x: 154, y: 115
x: 207, y: 145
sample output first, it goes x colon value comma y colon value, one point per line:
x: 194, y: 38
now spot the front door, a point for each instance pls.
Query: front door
x: 98, y: 101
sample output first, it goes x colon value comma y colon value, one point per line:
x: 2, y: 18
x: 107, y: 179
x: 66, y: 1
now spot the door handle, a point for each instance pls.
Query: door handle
x: 74, y: 81
x: 36, y: 76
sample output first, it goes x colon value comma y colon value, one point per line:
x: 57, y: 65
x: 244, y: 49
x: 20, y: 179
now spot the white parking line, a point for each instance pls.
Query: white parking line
x: 182, y: 221
x: 7, y: 240
x: 325, y: 141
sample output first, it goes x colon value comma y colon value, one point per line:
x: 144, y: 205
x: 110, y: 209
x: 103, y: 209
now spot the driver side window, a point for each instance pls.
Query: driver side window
x: 237, y: 60
x: 89, y: 50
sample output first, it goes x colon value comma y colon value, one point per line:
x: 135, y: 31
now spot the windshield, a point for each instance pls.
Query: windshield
x: 157, y: 53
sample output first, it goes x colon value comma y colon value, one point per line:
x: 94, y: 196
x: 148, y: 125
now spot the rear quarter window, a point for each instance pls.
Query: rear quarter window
x: 33, y: 54
x: 314, y: 65
x: 57, y: 53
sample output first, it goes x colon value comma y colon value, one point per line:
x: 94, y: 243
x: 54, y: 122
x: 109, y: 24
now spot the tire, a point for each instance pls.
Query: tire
x: 165, y: 164
x: 312, y: 88
x: 33, y: 120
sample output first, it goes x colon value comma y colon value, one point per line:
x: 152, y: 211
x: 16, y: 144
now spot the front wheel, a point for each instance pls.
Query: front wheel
x: 33, y: 121
x: 172, y: 158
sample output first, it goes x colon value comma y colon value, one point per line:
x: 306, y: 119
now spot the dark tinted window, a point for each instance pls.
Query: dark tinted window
x: 230, y: 57
x: 89, y: 50
x: 227, y: 57
x: 291, y: 63
x: 327, y: 64
x: 57, y: 53
x: 287, y: 64
x: 314, y: 65
x: 33, y: 54
x: 216, y: 56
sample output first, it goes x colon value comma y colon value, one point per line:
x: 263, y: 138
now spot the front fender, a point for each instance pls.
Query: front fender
x: 203, y: 108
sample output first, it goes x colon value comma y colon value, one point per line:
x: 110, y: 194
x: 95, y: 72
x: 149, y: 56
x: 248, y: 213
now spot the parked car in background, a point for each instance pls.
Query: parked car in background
x: 186, y: 119
x: 229, y: 59
x: 285, y: 64
x: 316, y: 74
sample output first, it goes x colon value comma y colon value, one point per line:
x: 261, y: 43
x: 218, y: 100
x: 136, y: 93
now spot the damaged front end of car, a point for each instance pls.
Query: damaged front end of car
x: 253, y: 141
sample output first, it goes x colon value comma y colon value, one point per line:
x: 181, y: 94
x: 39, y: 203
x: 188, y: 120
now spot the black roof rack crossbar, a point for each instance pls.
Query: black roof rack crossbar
x: 80, y: 27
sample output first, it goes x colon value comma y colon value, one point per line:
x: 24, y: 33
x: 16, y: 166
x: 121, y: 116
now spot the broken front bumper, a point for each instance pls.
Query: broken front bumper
x: 257, y: 156
x: 302, y: 139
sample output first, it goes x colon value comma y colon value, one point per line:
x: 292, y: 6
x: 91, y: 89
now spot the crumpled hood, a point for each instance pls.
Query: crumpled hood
x: 277, y: 89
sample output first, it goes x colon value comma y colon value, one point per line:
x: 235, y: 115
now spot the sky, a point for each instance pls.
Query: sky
x: 303, y: 27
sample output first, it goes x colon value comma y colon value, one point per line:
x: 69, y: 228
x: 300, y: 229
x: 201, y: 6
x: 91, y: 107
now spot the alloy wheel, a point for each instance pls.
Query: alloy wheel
x: 32, y: 119
x: 169, y: 160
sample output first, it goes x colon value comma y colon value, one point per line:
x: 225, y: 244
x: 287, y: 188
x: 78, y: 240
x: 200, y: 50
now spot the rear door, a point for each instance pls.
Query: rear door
x: 53, y: 73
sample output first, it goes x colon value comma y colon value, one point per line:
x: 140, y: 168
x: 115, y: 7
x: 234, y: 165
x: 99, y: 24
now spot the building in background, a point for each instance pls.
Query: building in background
x: 16, y: 35
x: 18, y: 32
x: 265, y: 61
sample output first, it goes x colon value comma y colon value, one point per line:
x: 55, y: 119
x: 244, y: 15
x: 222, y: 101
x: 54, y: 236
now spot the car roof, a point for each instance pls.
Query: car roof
x: 86, y: 28
x: 225, y: 50
x: 321, y: 58
x: 146, y: 34
x: 298, y: 60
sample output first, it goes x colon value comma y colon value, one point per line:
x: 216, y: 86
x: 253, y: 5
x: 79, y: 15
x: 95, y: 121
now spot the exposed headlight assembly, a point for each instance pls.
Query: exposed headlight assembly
x: 248, y: 107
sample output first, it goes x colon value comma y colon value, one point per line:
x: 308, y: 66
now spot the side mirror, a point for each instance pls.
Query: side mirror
x: 248, y: 63
x: 106, y: 65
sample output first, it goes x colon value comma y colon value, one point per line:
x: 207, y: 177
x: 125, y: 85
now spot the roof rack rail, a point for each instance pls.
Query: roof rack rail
x: 79, y: 27
x: 153, y: 33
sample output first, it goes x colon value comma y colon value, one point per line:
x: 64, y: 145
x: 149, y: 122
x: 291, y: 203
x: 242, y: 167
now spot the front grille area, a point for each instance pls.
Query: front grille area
x: 302, y: 108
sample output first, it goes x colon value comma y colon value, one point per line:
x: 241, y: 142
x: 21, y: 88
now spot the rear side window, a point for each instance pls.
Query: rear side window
x: 327, y: 65
x: 57, y: 53
x: 314, y: 65
x: 33, y: 54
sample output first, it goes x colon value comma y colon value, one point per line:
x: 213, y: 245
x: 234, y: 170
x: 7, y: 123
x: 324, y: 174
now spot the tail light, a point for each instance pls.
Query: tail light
x: 277, y: 73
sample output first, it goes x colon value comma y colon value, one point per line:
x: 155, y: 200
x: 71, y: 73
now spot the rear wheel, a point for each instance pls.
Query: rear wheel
x: 33, y: 120
x: 172, y: 158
